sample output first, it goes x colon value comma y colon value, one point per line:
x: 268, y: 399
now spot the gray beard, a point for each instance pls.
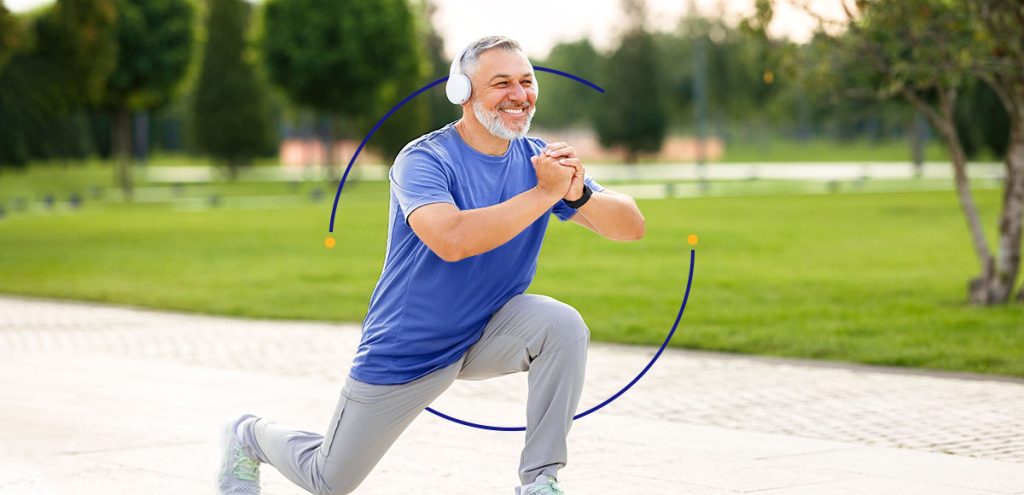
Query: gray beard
x: 492, y: 121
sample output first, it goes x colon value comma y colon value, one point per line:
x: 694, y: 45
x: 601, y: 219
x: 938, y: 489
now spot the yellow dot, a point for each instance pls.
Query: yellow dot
x: 329, y: 242
x: 692, y: 239
x: 769, y: 77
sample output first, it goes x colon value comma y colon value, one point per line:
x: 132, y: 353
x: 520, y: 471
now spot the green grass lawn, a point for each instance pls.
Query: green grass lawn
x: 874, y: 278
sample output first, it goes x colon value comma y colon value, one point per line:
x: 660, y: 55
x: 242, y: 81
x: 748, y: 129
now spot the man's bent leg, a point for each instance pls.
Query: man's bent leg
x: 366, y: 422
x: 548, y: 338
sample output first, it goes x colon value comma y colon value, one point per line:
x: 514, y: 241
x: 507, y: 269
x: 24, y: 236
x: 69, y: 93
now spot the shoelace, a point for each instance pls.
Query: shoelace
x: 245, y: 468
x: 551, y: 488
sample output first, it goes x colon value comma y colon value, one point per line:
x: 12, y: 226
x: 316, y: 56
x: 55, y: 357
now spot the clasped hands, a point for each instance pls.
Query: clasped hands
x: 559, y: 171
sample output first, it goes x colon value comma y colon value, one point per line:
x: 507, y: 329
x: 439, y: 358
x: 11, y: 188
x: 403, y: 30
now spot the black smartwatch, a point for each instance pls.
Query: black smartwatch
x: 583, y: 199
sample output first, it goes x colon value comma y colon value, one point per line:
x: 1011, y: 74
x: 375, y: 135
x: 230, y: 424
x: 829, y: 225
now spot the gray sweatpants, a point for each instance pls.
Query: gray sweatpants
x: 531, y: 332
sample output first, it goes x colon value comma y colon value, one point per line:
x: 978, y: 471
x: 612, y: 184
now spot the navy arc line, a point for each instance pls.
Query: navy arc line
x: 668, y: 338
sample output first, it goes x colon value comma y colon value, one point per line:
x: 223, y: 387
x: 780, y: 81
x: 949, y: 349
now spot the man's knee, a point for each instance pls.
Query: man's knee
x: 340, y: 482
x: 566, y: 328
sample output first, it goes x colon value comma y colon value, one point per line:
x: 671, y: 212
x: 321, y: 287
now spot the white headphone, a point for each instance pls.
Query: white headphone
x: 458, y: 87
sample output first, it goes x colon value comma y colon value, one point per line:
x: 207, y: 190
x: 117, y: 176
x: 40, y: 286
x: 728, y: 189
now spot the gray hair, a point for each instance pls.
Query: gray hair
x: 471, y: 55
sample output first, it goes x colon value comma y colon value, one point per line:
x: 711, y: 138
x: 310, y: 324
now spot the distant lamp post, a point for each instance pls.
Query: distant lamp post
x: 700, y: 106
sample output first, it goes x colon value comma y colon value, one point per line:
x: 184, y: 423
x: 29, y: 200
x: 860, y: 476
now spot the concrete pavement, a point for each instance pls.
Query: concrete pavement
x: 109, y: 400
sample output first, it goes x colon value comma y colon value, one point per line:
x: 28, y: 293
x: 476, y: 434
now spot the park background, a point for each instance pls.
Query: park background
x: 855, y: 183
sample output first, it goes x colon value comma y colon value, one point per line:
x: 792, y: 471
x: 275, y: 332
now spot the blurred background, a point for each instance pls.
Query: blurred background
x: 854, y: 170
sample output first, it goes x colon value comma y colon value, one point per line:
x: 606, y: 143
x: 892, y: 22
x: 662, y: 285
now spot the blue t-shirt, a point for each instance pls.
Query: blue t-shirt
x: 425, y: 312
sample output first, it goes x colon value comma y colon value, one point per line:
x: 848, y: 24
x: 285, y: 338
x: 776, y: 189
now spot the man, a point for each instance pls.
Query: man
x: 469, y: 208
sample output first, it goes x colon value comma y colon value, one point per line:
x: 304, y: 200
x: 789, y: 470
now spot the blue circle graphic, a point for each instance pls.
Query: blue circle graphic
x: 668, y: 338
x: 679, y: 316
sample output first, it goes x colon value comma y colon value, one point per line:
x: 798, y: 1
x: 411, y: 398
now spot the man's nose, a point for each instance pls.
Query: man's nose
x: 518, y: 93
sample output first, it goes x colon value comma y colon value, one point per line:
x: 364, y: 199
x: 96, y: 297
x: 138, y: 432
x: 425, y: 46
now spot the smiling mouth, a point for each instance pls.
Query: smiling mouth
x: 515, y: 112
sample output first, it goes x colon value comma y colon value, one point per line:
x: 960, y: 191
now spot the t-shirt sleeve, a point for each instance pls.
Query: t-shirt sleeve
x: 417, y: 179
x: 563, y: 211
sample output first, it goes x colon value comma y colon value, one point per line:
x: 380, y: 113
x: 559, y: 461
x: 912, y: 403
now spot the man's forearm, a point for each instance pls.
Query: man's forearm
x: 615, y: 216
x: 480, y: 230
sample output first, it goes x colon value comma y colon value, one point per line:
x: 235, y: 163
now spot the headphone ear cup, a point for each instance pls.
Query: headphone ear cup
x: 458, y: 88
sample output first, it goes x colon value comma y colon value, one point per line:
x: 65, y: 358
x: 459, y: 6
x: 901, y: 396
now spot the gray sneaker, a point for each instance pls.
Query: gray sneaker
x: 239, y: 471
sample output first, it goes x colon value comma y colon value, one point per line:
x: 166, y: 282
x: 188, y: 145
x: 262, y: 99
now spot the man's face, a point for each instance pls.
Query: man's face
x: 504, y: 93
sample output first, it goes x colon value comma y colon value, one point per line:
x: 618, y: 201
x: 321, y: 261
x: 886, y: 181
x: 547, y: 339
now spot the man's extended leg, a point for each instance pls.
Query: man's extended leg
x: 366, y: 421
x: 548, y: 338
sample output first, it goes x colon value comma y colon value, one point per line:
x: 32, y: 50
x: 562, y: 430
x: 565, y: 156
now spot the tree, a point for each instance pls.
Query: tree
x: 632, y: 113
x: 415, y: 117
x: 927, y: 52
x: 57, y: 72
x: 155, y: 40
x: 335, y: 56
x: 229, y: 111
x: 566, y: 102
x: 1000, y: 63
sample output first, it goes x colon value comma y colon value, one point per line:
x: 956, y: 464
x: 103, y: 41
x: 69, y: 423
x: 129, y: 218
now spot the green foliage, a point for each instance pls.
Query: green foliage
x: 414, y: 118
x: 10, y: 31
x: 1000, y: 48
x: 335, y: 55
x: 740, y: 67
x: 632, y: 112
x: 981, y: 122
x: 155, y: 40
x: 79, y: 38
x: 58, y: 70
x: 229, y: 108
x: 920, y: 51
x: 36, y: 121
x: 408, y: 123
x: 920, y: 45
x: 749, y: 91
x: 564, y: 102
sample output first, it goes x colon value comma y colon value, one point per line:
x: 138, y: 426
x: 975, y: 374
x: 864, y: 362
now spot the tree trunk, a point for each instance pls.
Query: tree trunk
x: 918, y: 137
x: 1011, y: 93
x: 140, y: 151
x: 1013, y: 209
x: 122, y: 149
x: 327, y: 138
x: 979, y: 288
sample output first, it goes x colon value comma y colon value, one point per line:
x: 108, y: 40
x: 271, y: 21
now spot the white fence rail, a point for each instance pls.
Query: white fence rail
x: 822, y: 172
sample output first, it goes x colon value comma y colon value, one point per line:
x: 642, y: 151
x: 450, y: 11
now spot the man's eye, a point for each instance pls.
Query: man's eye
x: 502, y: 84
x: 527, y: 83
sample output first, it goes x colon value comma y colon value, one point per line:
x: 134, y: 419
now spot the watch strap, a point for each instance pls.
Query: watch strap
x: 583, y: 199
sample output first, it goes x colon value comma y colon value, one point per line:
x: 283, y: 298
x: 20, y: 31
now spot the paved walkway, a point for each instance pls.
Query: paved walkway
x: 98, y: 399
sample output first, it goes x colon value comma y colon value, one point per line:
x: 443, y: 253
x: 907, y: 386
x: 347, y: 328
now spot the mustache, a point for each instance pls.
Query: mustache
x: 521, y: 105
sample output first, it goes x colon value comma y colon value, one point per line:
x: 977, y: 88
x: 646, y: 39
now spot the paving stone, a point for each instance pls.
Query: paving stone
x: 117, y: 400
